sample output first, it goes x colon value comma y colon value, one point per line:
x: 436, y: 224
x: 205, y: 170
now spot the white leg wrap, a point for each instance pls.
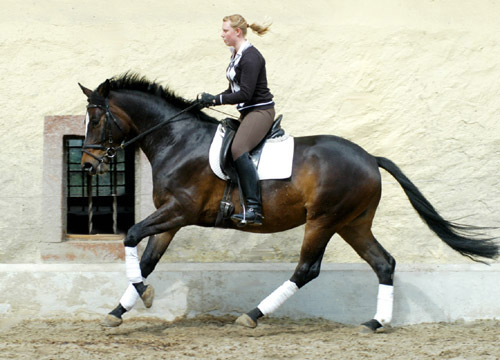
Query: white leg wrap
x: 132, y: 267
x: 277, y: 297
x: 130, y: 297
x: 384, y: 304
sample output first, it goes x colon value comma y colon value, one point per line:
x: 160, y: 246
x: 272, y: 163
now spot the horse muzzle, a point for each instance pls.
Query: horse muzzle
x: 94, y: 165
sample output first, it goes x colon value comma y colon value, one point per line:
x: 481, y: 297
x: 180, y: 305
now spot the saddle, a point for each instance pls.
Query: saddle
x: 230, y: 126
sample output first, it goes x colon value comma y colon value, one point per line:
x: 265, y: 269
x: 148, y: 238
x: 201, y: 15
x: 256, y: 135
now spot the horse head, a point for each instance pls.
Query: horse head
x: 130, y: 105
x: 106, y: 126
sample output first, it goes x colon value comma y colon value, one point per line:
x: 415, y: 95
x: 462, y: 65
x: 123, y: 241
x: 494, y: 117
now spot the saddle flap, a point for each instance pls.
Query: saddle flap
x: 230, y: 126
x: 275, y: 132
x: 275, y: 162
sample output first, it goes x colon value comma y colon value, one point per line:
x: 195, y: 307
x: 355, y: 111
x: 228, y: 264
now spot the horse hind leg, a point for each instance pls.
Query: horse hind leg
x: 361, y: 239
x: 313, y: 248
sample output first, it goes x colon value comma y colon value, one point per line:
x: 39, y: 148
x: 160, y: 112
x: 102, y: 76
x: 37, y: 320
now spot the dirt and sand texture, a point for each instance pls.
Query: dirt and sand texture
x: 218, y: 338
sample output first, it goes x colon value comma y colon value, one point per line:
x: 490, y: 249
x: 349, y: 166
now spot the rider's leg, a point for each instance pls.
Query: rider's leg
x: 254, y: 127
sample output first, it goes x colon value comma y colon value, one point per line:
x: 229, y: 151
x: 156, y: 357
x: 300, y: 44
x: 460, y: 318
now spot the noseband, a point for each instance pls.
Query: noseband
x: 110, y: 149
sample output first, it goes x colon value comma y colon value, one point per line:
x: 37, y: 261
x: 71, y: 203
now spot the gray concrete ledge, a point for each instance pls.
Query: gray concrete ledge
x: 345, y: 293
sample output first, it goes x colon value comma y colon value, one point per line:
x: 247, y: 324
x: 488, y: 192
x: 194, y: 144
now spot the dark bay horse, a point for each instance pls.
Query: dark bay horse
x: 335, y: 187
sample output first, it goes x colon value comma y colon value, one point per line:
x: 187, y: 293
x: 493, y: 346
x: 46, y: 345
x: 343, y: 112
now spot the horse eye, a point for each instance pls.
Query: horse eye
x: 95, y: 121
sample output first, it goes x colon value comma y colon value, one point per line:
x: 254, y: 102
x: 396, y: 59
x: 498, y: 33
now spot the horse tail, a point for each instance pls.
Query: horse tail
x: 462, y: 238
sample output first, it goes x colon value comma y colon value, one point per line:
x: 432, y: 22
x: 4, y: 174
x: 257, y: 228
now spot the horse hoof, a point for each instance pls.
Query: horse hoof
x: 246, y: 321
x: 363, y: 329
x: 148, y: 296
x: 111, y: 321
x: 370, y: 327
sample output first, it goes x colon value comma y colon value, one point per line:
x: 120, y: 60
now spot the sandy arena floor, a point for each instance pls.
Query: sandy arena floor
x: 217, y: 338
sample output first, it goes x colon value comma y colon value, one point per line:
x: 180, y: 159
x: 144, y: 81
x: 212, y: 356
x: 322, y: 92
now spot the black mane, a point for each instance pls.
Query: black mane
x: 136, y: 82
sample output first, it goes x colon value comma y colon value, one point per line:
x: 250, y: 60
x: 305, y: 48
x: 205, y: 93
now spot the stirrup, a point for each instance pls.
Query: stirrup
x: 243, y: 219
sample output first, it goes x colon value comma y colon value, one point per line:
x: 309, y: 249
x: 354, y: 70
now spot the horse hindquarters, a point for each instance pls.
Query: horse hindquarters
x: 339, y: 183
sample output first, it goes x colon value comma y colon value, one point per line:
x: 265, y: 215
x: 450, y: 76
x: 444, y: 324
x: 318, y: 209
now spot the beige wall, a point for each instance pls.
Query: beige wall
x: 415, y: 81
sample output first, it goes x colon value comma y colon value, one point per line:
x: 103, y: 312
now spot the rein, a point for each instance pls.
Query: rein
x: 111, y: 150
x: 156, y: 127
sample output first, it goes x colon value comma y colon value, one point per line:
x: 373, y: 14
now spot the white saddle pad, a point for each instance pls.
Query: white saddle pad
x: 275, y: 161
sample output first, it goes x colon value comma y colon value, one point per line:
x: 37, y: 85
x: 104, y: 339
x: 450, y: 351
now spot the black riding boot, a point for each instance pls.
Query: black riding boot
x: 250, y: 186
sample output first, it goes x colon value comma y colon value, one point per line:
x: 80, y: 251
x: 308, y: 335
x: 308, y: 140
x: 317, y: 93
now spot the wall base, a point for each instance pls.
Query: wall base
x: 344, y: 293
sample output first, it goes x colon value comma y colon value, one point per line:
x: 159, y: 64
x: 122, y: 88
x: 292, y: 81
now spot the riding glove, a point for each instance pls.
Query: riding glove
x: 207, y: 99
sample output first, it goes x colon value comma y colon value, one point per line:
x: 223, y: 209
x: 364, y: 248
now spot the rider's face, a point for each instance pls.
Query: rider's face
x: 229, y: 34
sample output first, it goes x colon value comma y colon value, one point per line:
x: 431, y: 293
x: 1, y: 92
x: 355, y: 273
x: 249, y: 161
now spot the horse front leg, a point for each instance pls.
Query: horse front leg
x: 157, y: 245
x: 137, y: 272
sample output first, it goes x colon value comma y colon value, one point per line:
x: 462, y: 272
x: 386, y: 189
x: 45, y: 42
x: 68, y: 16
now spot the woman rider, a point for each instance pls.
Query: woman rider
x: 248, y: 89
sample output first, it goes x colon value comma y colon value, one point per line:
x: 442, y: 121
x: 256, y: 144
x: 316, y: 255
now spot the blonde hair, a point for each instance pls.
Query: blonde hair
x: 238, y: 22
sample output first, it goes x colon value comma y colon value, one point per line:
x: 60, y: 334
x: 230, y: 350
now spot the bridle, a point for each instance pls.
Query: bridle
x: 110, y: 150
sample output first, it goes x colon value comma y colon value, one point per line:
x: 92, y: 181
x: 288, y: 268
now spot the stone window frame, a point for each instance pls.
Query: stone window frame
x: 56, y: 245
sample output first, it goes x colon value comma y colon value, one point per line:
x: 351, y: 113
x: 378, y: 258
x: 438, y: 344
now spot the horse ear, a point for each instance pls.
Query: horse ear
x: 86, y: 91
x: 104, y: 88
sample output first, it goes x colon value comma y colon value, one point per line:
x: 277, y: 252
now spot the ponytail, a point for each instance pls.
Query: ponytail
x: 260, y: 28
x: 238, y: 22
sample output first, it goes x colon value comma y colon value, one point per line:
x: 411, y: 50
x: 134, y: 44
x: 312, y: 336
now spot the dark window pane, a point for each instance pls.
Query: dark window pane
x: 75, y: 143
x: 120, y: 190
x: 75, y: 155
x: 105, y: 180
x: 120, y: 179
x: 120, y: 155
x: 75, y: 192
x: 75, y: 179
x: 117, y: 181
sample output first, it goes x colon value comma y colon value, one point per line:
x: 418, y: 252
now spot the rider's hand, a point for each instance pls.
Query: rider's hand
x: 207, y: 99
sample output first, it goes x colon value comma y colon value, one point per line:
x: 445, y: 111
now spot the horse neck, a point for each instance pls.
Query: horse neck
x: 185, y: 133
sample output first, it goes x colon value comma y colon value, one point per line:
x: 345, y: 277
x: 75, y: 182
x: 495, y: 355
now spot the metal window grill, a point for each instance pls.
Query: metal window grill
x: 99, y: 204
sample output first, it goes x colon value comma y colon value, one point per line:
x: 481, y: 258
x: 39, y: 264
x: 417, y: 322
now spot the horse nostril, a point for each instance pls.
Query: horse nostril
x: 87, y: 167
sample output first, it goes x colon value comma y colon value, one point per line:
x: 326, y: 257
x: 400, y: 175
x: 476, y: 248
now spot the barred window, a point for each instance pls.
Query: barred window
x: 102, y: 204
